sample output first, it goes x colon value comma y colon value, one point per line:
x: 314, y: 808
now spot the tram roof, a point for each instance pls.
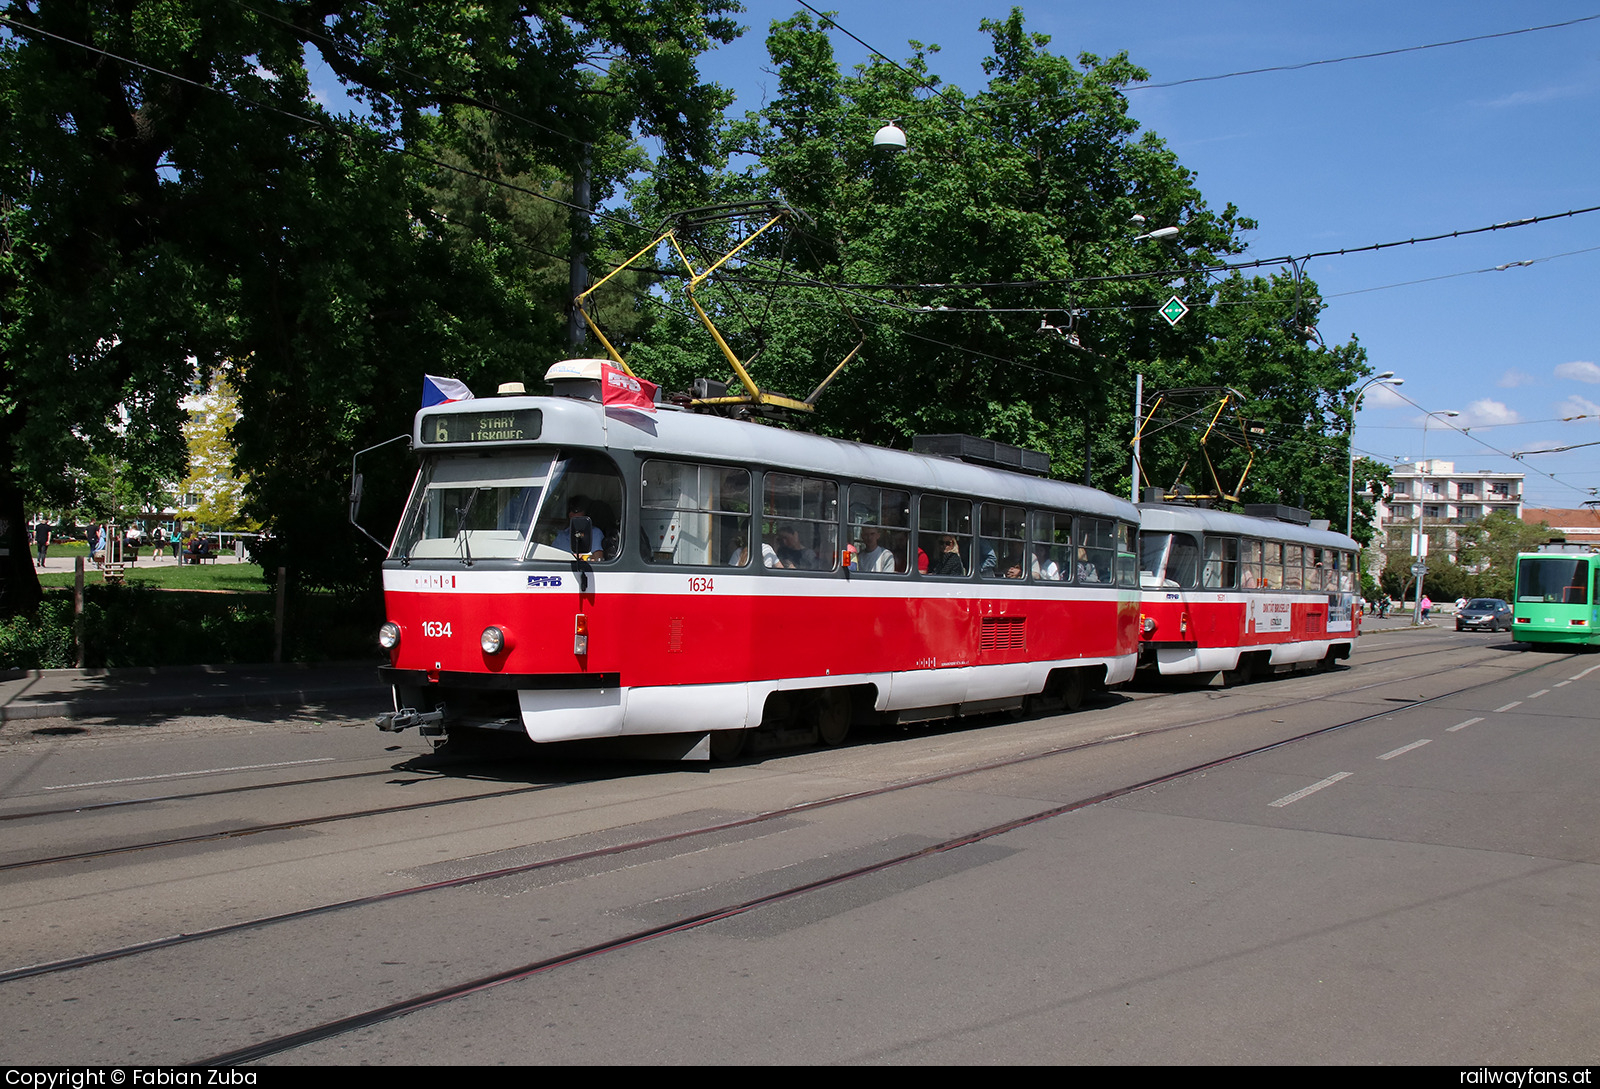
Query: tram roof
x: 670, y: 433
x: 1163, y: 518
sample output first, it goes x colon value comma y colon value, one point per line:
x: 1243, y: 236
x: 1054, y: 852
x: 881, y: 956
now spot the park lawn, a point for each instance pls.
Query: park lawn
x: 233, y: 577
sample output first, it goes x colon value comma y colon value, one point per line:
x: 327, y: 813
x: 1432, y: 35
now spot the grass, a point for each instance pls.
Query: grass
x: 234, y: 577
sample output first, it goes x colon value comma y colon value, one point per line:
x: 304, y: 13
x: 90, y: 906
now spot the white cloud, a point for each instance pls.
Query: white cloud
x: 1514, y: 378
x: 1578, y: 406
x: 1487, y: 413
x: 1379, y: 395
x: 1579, y: 370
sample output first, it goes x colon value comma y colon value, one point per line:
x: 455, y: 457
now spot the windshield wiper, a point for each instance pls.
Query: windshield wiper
x: 461, y: 529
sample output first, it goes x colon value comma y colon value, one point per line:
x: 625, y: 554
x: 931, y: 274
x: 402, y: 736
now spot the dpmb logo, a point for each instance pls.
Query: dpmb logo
x: 540, y: 582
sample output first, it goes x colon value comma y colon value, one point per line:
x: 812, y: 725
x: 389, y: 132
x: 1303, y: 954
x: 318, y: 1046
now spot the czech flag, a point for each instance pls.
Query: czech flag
x: 441, y: 391
x: 619, y: 389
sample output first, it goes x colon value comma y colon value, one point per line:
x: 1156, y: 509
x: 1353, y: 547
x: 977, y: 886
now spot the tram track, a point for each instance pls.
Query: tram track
x: 276, y: 826
x: 257, y: 829
x: 689, y: 922
x: 719, y: 827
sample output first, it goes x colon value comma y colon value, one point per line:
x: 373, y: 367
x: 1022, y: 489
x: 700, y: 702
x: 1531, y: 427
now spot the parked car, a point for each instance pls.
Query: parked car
x: 1484, y: 614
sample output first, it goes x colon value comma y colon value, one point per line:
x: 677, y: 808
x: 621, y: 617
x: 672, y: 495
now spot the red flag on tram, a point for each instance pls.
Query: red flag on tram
x: 619, y: 389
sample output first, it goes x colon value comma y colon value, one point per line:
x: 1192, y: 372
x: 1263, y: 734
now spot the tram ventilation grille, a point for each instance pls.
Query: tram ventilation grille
x: 1003, y: 633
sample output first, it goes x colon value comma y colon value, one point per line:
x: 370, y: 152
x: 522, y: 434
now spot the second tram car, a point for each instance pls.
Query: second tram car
x: 1242, y: 594
x: 1558, y: 595
x: 576, y: 571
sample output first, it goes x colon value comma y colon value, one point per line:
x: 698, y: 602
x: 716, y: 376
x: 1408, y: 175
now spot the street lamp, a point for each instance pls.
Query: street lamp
x: 1422, y: 512
x: 1387, y: 378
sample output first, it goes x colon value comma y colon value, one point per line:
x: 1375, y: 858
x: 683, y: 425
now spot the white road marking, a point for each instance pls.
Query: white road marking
x: 1509, y: 706
x: 1541, y: 692
x: 1562, y: 684
x: 1392, y: 753
x: 1585, y: 673
x: 187, y: 774
x: 1461, y: 725
x: 1119, y: 737
x: 1290, y: 799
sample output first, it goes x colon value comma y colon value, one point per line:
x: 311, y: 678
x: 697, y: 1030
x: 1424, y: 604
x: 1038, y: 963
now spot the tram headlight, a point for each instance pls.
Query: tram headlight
x: 389, y: 635
x: 494, y: 640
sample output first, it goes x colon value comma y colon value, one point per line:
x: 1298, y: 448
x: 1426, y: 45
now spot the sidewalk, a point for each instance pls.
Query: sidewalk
x: 59, y: 560
x: 96, y: 693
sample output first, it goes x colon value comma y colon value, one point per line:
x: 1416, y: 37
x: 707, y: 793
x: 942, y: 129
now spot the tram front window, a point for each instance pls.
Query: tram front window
x: 470, y: 507
x: 1554, y: 580
x: 1169, y: 559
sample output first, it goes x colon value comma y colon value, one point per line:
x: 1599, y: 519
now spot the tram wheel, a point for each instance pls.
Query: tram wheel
x: 1244, y: 673
x: 833, y: 718
x: 728, y: 745
x: 1072, y: 690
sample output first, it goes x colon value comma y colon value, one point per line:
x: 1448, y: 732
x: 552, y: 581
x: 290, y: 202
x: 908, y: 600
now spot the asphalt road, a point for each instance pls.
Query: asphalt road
x: 1418, y: 886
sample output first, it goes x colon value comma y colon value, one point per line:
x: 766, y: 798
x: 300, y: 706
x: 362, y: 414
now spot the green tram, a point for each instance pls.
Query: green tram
x: 1558, y: 595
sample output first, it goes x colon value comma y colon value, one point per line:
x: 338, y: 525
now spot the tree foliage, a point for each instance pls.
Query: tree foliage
x: 173, y: 198
x: 994, y: 272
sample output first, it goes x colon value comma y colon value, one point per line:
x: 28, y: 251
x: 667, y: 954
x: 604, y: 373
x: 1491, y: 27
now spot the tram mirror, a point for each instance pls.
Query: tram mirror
x: 355, y: 496
x: 579, y: 532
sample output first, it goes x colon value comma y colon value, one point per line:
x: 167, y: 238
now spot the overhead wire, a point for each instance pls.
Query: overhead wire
x: 1361, y: 56
x: 1467, y: 431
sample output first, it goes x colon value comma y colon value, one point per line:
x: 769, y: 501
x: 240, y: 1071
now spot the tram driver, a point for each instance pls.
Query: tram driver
x: 578, y: 507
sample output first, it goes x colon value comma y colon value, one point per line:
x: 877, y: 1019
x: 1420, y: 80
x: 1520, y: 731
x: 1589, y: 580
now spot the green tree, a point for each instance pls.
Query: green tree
x: 1490, y: 546
x: 1025, y: 305
x: 170, y: 189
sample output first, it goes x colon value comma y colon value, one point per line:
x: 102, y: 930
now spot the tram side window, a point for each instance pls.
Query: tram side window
x: 1222, y: 563
x: 1097, y: 551
x: 1000, y: 541
x: 1349, y: 576
x: 944, y: 535
x: 800, y: 522
x: 880, y: 529
x: 1250, y: 564
x: 1293, y: 567
x: 1272, y: 565
x: 1127, y: 555
x: 695, y: 515
x: 1051, y: 541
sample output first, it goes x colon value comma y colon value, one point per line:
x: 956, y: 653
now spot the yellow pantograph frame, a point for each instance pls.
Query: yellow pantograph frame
x: 1228, y: 397
x: 754, y: 394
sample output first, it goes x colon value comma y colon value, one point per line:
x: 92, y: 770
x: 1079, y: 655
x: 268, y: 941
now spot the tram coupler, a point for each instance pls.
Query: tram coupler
x: 428, y: 723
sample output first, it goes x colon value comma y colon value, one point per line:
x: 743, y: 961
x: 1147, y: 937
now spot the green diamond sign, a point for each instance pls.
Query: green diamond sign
x: 1174, y: 310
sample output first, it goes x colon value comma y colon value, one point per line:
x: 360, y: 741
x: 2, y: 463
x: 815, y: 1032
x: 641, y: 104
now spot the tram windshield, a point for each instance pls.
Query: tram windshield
x: 1556, y: 579
x: 470, y: 507
x: 1169, y: 559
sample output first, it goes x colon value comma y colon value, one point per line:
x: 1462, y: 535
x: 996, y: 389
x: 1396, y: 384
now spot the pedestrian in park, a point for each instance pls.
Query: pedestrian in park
x: 1427, y: 604
x: 41, y: 540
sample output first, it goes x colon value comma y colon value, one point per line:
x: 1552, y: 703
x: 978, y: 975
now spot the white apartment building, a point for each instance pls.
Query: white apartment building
x: 1434, y: 491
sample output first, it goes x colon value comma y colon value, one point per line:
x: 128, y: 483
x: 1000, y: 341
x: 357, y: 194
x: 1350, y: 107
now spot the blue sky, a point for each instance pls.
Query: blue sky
x: 1349, y: 154
x: 1346, y: 155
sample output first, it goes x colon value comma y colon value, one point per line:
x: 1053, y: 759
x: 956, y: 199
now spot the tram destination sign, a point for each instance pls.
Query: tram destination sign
x: 517, y: 425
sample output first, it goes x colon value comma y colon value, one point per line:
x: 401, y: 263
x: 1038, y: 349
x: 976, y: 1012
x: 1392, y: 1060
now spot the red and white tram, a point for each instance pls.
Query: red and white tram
x: 578, y: 571
x: 1243, y: 594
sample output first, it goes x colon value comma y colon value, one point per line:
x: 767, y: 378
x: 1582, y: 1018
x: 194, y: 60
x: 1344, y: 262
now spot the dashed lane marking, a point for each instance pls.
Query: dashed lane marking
x: 1290, y: 799
x: 1509, y: 706
x: 187, y: 774
x: 1462, y: 725
x: 1392, y: 753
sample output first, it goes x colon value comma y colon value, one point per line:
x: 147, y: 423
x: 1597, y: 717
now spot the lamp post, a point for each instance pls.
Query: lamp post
x: 1422, y: 512
x: 1387, y: 378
